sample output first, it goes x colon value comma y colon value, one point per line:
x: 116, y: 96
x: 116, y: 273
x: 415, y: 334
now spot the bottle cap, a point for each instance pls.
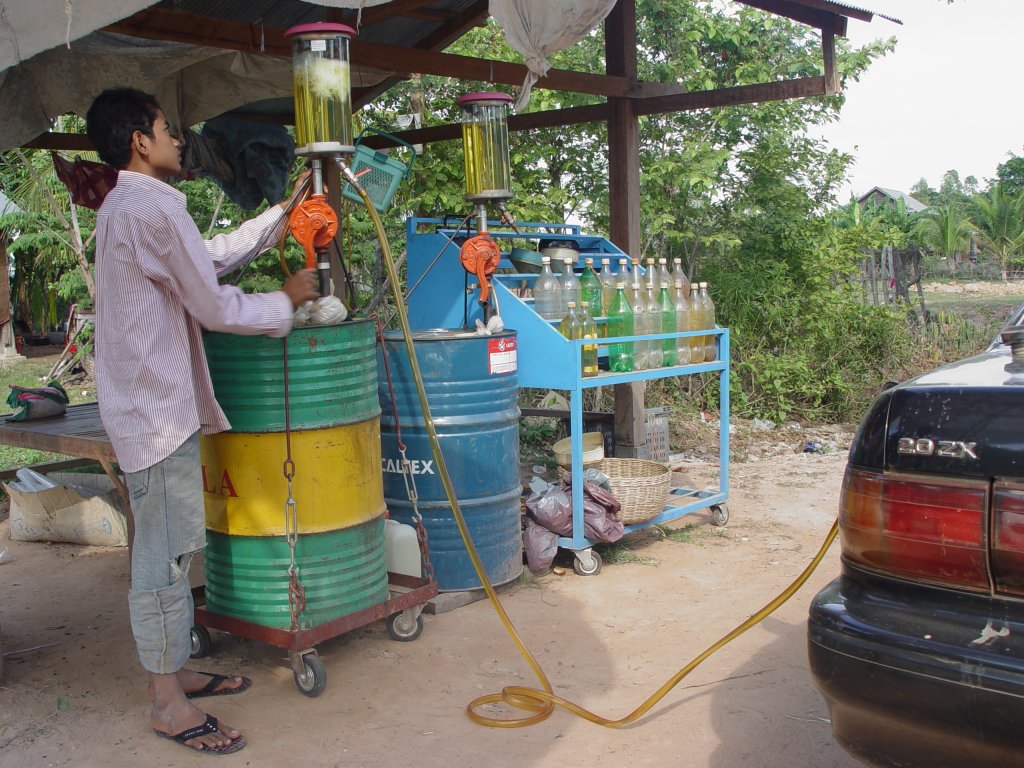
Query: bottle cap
x: 694, y: 285
x: 663, y: 261
x: 545, y: 259
x: 571, y: 304
x: 679, y: 283
x: 588, y: 262
x: 623, y: 260
x: 606, y: 261
x: 703, y: 285
x: 584, y: 303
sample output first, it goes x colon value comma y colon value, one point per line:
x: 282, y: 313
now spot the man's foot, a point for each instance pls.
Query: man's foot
x: 199, y: 737
x: 199, y: 684
x: 188, y: 725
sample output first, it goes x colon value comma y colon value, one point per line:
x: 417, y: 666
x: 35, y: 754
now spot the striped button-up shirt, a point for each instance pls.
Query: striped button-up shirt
x: 156, y: 287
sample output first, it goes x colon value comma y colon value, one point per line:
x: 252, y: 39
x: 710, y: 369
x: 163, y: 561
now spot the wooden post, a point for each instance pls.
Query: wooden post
x: 624, y: 204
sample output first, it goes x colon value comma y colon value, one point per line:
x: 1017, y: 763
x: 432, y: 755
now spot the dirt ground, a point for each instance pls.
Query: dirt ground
x: 72, y: 690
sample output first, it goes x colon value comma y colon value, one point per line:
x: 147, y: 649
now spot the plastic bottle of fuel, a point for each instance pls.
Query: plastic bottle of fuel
x: 638, y: 301
x: 622, y: 277
x: 696, y: 324
x: 570, y: 325
x: 682, y: 324
x: 665, y: 278
x: 710, y: 342
x: 608, y: 284
x: 547, y: 293
x: 620, y: 323
x: 651, y: 290
x: 570, y: 285
x: 678, y: 276
x: 667, y: 313
x: 590, y: 287
x: 588, y: 330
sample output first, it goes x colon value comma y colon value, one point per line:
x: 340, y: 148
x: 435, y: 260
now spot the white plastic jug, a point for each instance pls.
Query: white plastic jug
x: 402, y: 549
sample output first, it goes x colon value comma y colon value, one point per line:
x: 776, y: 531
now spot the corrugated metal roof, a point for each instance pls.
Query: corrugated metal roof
x: 840, y: 7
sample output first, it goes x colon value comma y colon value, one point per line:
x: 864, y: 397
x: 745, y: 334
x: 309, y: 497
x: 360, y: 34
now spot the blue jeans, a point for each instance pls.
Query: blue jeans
x: 170, y: 526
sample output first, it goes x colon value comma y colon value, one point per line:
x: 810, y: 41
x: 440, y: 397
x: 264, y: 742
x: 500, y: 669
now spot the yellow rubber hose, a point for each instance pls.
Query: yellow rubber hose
x: 539, y: 703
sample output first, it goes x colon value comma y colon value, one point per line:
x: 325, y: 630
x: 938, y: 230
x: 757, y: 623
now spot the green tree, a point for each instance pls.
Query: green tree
x: 1011, y: 175
x: 946, y: 231
x: 1000, y: 224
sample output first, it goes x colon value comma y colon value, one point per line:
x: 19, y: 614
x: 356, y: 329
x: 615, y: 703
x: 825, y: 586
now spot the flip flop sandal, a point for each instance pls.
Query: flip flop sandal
x: 209, y: 726
x: 211, y: 688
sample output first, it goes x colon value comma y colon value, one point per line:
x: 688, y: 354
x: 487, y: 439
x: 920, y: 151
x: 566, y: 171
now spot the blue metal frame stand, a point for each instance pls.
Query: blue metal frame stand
x: 442, y: 295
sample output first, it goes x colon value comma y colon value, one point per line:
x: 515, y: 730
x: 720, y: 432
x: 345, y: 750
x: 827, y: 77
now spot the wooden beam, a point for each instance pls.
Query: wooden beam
x: 73, y: 142
x: 728, y: 97
x: 799, y: 11
x: 162, y: 24
x: 530, y: 121
x: 828, y: 53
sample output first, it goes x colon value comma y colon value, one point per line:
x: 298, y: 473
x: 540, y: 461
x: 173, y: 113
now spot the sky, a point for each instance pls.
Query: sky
x: 948, y: 97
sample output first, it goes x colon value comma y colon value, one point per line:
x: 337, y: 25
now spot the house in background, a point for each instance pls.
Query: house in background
x: 883, y: 196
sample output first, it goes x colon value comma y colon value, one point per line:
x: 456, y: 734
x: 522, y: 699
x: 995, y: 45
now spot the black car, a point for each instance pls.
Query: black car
x: 918, y: 646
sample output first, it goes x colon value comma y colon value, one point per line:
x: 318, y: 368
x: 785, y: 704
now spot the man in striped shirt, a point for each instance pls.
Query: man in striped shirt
x: 156, y: 288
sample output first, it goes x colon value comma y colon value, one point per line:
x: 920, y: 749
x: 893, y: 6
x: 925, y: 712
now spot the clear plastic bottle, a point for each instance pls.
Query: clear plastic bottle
x: 590, y: 287
x: 668, y: 325
x: 570, y: 285
x: 608, y: 285
x: 570, y: 326
x: 638, y: 301
x: 547, y: 293
x: 682, y: 324
x: 678, y: 275
x: 655, y: 356
x: 620, y: 323
x: 665, y: 278
x: 696, y: 324
x: 710, y: 342
x: 588, y: 330
x: 622, y: 278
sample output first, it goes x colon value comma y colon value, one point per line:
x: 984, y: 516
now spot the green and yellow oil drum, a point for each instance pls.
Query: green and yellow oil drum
x: 337, y: 487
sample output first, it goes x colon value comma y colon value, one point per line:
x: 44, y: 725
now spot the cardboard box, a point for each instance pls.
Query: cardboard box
x: 82, y: 513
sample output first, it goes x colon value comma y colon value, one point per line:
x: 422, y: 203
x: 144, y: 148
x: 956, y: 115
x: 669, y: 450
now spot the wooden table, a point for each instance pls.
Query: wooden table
x: 79, y: 432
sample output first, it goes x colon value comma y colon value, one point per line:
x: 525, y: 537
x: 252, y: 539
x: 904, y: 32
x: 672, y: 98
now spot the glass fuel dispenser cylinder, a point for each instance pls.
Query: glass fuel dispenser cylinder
x: 323, y: 90
x: 485, y: 146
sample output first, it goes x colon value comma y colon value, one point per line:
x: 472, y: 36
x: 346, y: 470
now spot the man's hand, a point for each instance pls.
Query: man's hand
x: 301, y: 287
x: 299, y: 182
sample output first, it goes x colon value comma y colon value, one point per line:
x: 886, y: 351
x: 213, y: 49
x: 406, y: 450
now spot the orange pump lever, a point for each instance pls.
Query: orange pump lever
x: 313, y: 224
x: 480, y: 256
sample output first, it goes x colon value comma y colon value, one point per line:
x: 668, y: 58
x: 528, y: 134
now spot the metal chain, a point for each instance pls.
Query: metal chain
x: 408, y: 477
x: 296, y: 594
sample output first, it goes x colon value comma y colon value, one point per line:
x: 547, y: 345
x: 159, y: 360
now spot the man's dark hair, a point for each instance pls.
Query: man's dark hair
x: 114, y: 116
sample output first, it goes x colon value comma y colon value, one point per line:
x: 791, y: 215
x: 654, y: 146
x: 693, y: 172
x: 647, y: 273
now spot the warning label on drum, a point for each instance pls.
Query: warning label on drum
x: 501, y: 356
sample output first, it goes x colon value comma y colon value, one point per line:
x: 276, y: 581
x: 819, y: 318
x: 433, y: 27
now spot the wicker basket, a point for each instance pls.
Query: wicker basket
x: 641, y: 486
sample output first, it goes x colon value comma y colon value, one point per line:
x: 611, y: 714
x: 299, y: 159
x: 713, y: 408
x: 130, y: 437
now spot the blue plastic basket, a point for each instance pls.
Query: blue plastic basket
x: 379, y: 173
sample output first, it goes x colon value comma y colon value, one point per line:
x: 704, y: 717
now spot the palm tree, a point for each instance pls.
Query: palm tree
x: 999, y: 220
x: 946, y: 231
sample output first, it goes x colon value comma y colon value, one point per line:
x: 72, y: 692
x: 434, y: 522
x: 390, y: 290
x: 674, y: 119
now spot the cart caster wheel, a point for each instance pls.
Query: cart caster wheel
x: 719, y: 514
x: 591, y: 568
x: 313, y: 679
x: 201, y: 643
x: 403, y: 628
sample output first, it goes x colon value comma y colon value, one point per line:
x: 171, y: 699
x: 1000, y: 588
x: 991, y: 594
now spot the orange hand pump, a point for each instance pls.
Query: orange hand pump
x: 480, y: 256
x: 313, y: 224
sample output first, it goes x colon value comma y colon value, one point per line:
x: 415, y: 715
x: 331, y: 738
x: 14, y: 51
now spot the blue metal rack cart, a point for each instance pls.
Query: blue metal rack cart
x: 443, y: 295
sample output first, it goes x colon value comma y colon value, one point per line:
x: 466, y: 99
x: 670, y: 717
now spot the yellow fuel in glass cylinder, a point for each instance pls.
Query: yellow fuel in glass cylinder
x: 323, y: 89
x: 485, y: 146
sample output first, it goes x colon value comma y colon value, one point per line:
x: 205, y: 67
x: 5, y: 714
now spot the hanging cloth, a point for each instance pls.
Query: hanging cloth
x: 539, y: 28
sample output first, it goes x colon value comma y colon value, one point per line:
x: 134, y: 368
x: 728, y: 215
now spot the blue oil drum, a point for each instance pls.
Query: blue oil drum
x: 472, y: 388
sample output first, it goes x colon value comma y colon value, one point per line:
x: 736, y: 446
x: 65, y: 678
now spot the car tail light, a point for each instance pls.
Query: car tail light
x: 916, y: 527
x: 1008, y: 537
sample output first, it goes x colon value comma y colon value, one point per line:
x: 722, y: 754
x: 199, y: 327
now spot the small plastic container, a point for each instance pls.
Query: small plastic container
x: 593, y: 450
x: 402, y: 549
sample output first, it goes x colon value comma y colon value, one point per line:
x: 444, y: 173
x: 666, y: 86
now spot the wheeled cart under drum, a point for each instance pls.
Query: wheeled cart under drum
x: 403, y: 611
